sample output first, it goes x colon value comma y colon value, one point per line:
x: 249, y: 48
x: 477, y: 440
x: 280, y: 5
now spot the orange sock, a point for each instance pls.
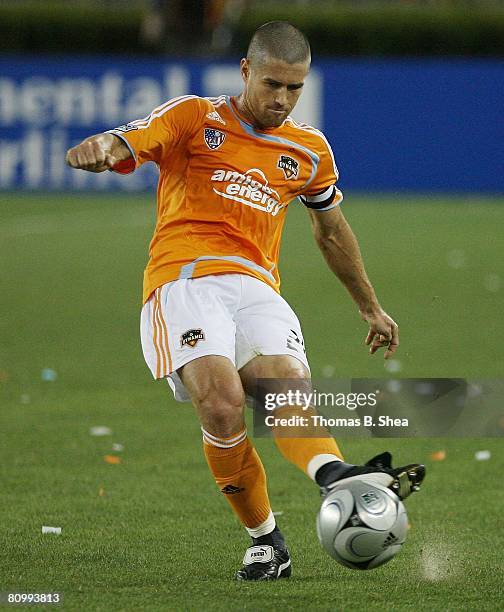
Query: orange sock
x: 240, y: 475
x: 308, y: 447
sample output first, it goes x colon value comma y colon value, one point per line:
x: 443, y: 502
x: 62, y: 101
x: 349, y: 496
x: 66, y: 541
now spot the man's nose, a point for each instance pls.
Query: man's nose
x: 281, y: 96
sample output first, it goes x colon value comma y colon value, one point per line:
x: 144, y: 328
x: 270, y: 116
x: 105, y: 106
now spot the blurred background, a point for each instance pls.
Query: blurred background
x: 411, y: 96
x: 409, y: 92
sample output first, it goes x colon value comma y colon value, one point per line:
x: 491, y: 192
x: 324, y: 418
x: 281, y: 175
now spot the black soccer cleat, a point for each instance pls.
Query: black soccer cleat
x: 265, y: 562
x: 402, y: 481
x: 407, y: 479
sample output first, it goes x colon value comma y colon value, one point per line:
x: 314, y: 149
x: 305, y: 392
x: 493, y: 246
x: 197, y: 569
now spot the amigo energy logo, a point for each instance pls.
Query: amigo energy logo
x: 250, y: 188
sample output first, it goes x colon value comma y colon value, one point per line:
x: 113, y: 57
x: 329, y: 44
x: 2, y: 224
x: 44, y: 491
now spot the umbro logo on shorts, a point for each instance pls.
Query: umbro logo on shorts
x: 289, y: 166
x: 214, y: 138
x: 191, y: 337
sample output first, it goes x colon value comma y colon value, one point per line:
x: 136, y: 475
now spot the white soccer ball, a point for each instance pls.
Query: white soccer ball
x: 362, y: 524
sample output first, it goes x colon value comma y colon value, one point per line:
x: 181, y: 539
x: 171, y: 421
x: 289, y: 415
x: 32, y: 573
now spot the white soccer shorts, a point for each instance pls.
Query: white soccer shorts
x: 233, y: 315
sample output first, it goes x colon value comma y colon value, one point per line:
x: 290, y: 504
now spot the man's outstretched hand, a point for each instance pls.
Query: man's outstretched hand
x: 383, y: 332
x: 98, y: 153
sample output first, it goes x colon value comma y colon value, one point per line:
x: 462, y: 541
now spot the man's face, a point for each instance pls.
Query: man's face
x: 272, y: 89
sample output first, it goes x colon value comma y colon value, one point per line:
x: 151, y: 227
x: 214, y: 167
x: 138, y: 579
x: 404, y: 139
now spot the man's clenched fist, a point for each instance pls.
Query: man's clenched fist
x: 97, y: 153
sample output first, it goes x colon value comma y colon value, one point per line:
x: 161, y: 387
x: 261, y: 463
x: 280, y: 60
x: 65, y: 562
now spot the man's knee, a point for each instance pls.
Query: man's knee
x: 217, y: 394
x: 221, y: 410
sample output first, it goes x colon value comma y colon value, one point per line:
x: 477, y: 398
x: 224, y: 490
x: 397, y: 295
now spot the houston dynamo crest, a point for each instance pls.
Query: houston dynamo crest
x: 191, y: 337
x: 289, y: 166
x: 214, y: 138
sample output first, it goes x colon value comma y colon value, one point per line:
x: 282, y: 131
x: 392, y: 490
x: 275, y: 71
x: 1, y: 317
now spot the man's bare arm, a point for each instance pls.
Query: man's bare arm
x: 98, y: 153
x: 341, y: 251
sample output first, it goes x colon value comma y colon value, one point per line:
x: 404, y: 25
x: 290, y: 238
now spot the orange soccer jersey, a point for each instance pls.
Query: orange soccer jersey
x: 224, y: 187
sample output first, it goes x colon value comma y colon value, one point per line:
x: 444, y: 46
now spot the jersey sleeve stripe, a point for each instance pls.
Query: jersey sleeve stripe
x: 216, y: 99
x: 159, y: 108
x: 329, y: 148
x: 312, y: 130
x: 142, y: 124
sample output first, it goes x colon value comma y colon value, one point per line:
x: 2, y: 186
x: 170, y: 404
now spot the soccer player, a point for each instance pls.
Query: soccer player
x: 213, y: 320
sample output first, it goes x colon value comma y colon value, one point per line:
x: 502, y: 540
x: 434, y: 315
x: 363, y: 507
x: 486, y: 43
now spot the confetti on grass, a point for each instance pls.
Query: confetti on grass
x: 48, y: 375
x: 482, y: 455
x: 56, y: 530
x: 117, y: 448
x: 100, y: 430
x: 112, y: 459
x: 439, y: 455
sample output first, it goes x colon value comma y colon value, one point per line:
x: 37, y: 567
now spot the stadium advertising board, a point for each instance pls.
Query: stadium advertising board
x: 394, y: 125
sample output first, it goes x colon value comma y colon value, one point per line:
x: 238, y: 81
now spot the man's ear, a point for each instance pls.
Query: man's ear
x: 244, y: 69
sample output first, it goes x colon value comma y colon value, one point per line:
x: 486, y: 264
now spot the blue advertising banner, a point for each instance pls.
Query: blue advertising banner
x: 419, y: 125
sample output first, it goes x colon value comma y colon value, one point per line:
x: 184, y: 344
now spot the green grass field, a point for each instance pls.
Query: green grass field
x: 153, y: 533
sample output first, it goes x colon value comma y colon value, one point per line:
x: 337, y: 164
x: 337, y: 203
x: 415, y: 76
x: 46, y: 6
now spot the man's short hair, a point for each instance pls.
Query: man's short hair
x: 279, y: 40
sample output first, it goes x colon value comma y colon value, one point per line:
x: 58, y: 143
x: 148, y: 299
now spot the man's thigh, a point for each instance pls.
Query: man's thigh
x: 267, y: 326
x: 188, y: 319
